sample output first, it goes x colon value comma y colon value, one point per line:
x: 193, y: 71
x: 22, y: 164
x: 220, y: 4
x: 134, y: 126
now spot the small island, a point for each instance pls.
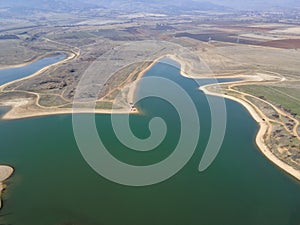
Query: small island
x: 5, y: 173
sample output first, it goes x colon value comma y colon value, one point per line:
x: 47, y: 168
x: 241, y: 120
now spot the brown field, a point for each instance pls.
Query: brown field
x: 249, y: 29
x: 285, y: 43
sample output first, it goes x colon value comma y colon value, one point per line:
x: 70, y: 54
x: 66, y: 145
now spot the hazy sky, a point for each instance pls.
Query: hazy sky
x: 264, y: 4
x: 237, y: 4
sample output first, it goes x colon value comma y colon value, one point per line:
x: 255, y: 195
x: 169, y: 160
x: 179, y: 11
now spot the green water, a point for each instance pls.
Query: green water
x: 53, y: 185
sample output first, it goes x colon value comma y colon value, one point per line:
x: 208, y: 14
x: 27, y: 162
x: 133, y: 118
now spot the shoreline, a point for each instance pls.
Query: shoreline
x: 70, y: 55
x: 14, y: 106
x: 130, y: 96
x: 5, y: 173
x: 263, y: 128
x: 9, y: 116
x: 13, y: 112
x: 26, y: 63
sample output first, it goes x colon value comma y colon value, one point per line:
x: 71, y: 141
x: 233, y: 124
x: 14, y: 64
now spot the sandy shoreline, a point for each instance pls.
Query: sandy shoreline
x: 130, y: 96
x: 15, y: 112
x: 11, y: 114
x: 5, y: 173
x: 71, y: 55
x: 263, y: 128
x: 3, y: 67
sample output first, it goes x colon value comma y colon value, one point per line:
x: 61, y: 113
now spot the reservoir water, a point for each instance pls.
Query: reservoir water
x: 11, y: 74
x: 53, y: 185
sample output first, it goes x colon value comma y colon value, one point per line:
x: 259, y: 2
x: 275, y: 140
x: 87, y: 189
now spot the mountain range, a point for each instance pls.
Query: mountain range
x: 152, y: 6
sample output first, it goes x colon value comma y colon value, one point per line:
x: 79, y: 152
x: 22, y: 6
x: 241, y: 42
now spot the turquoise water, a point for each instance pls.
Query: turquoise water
x: 53, y: 185
x: 11, y: 74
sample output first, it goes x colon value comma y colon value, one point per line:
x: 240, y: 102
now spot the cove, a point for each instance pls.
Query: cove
x: 11, y: 74
x: 53, y: 185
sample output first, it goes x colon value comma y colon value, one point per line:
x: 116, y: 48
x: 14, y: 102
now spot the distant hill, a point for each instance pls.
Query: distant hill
x: 48, y: 5
x: 157, y: 6
x: 123, y: 5
x: 259, y: 4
